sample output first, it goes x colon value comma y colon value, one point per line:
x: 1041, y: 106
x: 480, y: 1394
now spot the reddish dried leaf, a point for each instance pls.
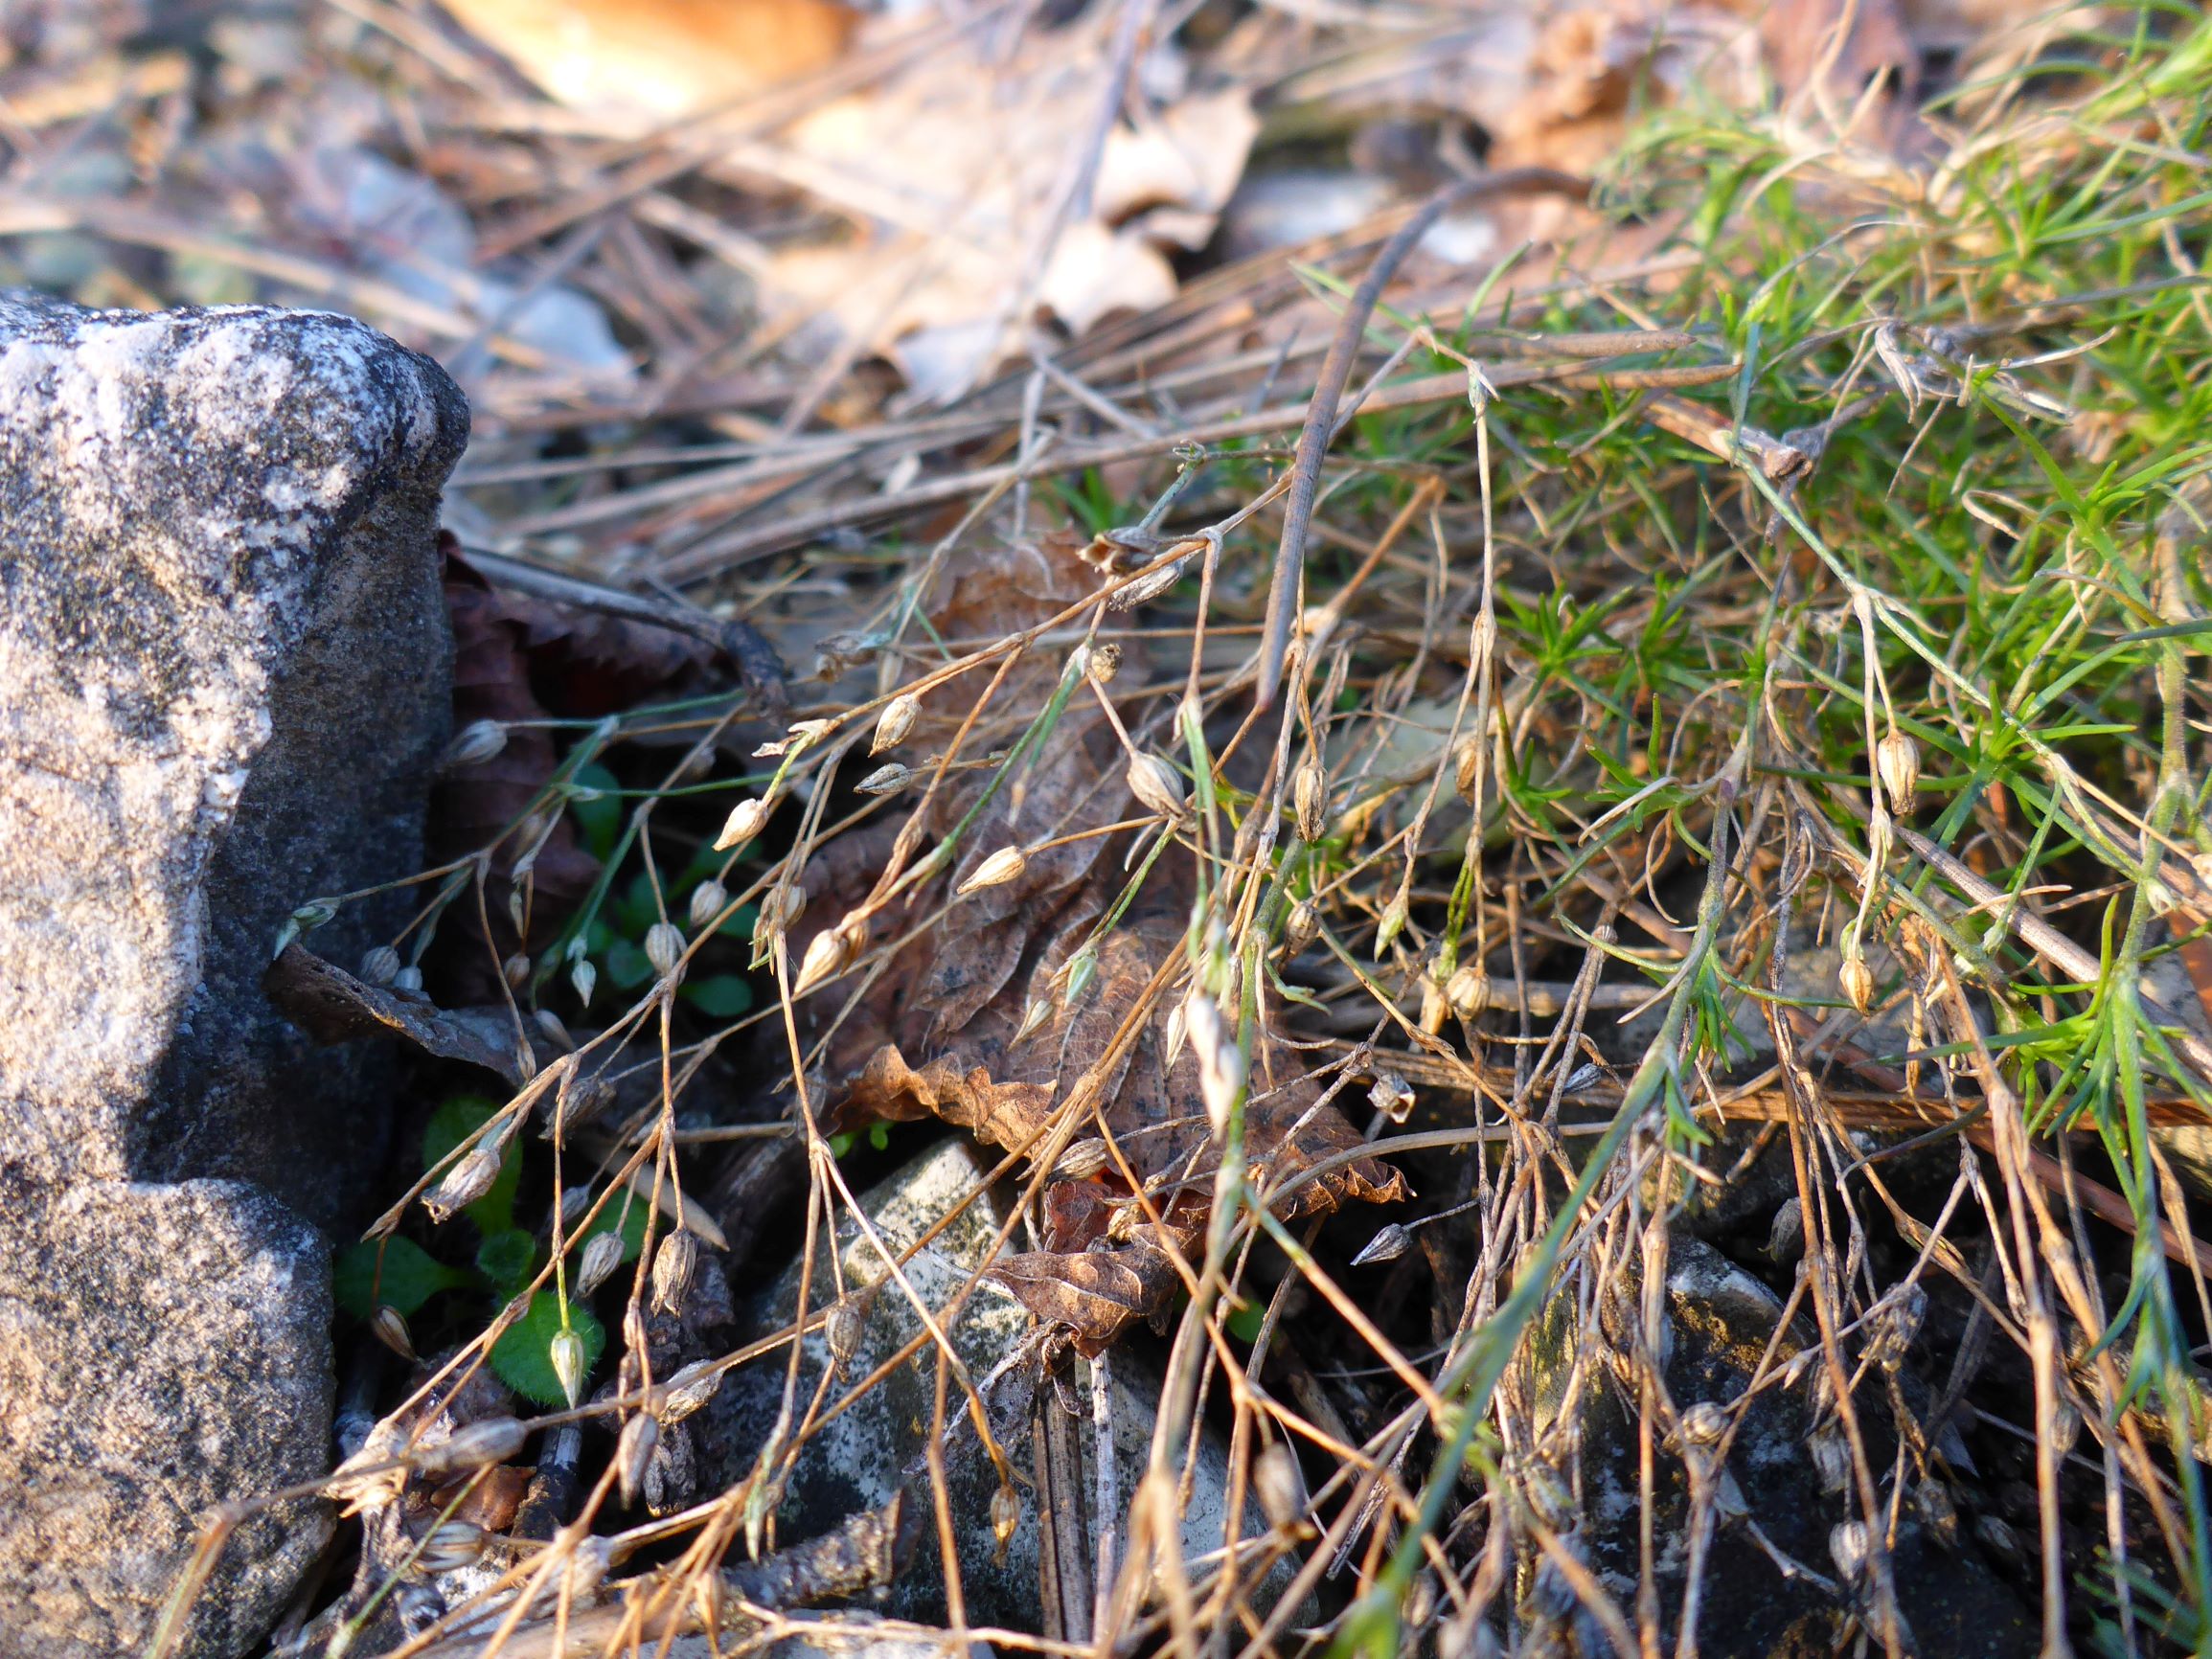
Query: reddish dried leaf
x: 887, y: 1088
x: 1095, y: 1292
x: 488, y: 1498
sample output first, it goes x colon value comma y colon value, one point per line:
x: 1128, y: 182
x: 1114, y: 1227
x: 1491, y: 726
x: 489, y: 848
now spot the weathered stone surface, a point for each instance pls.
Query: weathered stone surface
x: 223, y: 687
x: 161, y: 1346
x: 859, y: 1457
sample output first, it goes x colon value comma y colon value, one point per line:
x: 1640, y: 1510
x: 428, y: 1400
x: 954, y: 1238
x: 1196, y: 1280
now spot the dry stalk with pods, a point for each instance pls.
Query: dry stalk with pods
x: 1560, y: 900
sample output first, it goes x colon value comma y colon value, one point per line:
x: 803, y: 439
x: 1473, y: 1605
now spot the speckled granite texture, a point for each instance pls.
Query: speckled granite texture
x: 224, y: 668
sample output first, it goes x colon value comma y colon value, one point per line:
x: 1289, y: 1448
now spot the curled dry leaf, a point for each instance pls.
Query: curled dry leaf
x: 956, y: 171
x: 332, y: 1006
x: 1095, y: 1292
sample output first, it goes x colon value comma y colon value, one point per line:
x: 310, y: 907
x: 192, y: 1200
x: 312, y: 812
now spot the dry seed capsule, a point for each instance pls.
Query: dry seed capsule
x: 895, y: 722
x: 556, y: 1032
x: 1389, y: 1243
x: 1856, y: 978
x: 1309, y: 794
x: 1279, y: 1487
x: 1082, y: 1161
x: 1703, y: 1424
x: 1897, y: 760
x: 466, y: 1182
x: 842, y: 1328
x: 1938, y: 1511
x: 708, y: 899
x: 1786, y: 1236
x: 516, y: 969
x: 1433, y: 1006
x: 1896, y: 1321
x: 664, y: 948
x: 1302, y: 926
x: 602, y: 1256
x: 569, y: 1363
x: 1463, y: 771
x: 1467, y: 991
x: 1220, y: 1062
x: 1148, y: 587
x: 380, y: 965
x: 1850, y: 1547
x: 672, y: 1269
x: 689, y: 1389
x: 782, y: 908
x: 830, y: 954
x: 744, y: 823
x: 631, y: 1452
x: 885, y: 780
x: 475, y: 743
x: 588, y: 1568
x: 451, y: 1545
x: 1005, y: 1514
x: 584, y: 978
x: 1106, y: 662
x: 408, y: 981
x: 491, y: 1440
x: 1156, y: 786
x: 391, y: 1329
x: 1999, y: 1538
x: 1005, y: 865
x: 1392, y: 1096
x: 1831, y: 1456
x: 1033, y: 1017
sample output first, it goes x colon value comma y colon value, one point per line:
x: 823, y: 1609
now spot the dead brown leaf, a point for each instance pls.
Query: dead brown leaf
x: 965, y: 179
x: 332, y: 1006
x: 940, y: 1034
x: 1096, y: 1293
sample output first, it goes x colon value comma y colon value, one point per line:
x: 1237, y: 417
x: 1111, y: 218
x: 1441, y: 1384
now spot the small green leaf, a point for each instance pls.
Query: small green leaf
x: 627, y: 966
x: 504, y: 1258
x: 599, y: 817
x: 453, y: 1122
x: 634, y: 908
x: 523, y: 1357
x: 1245, y: 1322
x: 841, y: 1144
x: 409, y: 1277
x: 880, y: 1136
x: 719, y: 995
